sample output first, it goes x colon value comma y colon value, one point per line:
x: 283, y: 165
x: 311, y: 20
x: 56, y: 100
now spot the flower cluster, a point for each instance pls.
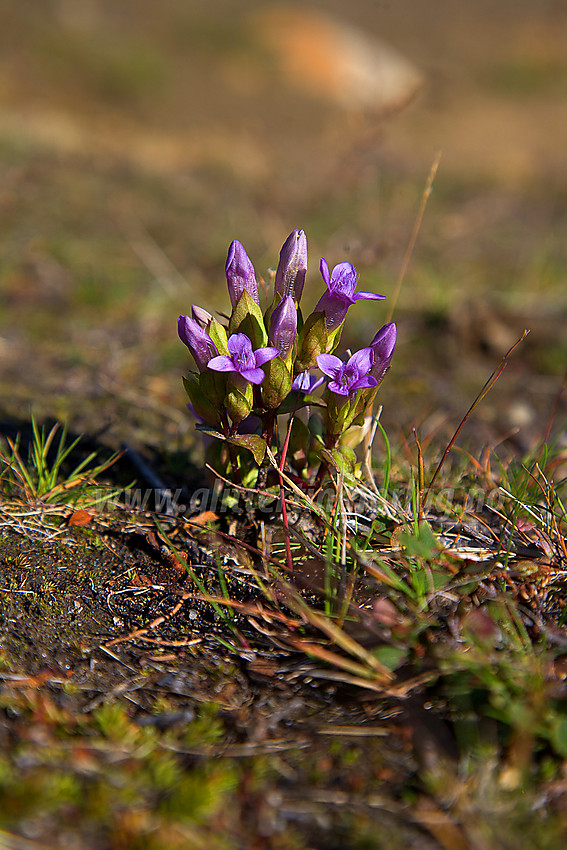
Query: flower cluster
x: 259, y: 366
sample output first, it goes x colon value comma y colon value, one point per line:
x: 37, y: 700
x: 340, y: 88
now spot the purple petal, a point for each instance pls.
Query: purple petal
x: 362, y: 383
x: 339, y: 389
x: 324, y: 268
x: 254, y: 376
x: 222, y: 363
x: 369, y: 296
x: 301, y: 382
x: 182, y: 330
x: 335, y: 309
x: 343, y: 280
x: 262, y: 355
x: 239, y: 345
x: 306, y: 383
x: 329, y: 365
x: 360, y: 362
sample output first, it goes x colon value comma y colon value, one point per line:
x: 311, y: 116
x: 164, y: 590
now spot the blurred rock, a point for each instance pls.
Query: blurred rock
x: 322, y: 55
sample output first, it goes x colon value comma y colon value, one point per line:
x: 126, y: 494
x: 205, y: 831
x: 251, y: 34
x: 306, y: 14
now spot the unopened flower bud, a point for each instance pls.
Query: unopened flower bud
x: 197, y: 341
x: 283, y: 326
x: 240, y: 274
x: 290, y: 274
x: 383, y: 346
x: 202, y: 317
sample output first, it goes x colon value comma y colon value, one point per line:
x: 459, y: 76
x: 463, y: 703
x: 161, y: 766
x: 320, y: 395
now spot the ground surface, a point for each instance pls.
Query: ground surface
x: 135, y: 144
x: 292, y: 759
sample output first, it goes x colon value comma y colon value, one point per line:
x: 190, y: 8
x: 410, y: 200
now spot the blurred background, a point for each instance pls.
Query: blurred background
x: 137, y: 139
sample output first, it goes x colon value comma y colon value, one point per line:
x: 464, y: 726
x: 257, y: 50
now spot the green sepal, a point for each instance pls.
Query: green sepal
x: 299, y: 442
x: 364, y: 402
x: 343, y: 458
x: 218, y: 335
x: 340, y: 414
x: 247, y: 319
x: 356, y: 432
x: 238, y: 404
x: 276, y: 385
x: 253, y: 442
x: 334, y: 338
x: 213, y: 386
x: 312, y: 342
x: 316, y: 426
x: 201, y: 401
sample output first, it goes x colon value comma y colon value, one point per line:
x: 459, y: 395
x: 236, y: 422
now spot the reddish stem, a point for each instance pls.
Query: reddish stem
x: 289, y: 559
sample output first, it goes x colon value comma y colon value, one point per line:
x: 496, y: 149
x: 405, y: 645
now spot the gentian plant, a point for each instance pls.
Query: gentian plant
x: 255, y: 383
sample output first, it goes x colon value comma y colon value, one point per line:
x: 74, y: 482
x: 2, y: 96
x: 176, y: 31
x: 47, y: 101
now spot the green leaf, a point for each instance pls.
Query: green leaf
x: 299, y: 442
x: 312, y: 342
x: 253, y: 442
x: 210, y: 432
x: 247, y: 319
x: 297, y: 401
x: 559, y: 736
x: 391, y: 656
x: 316, y: 426
x: 422, y: 544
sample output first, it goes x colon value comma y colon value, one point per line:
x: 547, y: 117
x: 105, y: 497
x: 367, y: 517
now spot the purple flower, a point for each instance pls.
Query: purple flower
x: 283, y: 325
x: 306, y: 383
x: 347, y: 378
x: 341, y: 286
x: 197, y: 341
x: 243, y: 361
x: 290, y: 274
x: 383, y: 346
x: 240, y: 274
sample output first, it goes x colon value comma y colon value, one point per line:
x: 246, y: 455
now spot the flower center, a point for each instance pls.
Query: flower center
x: 344, y: 284
x: 346, y: 377
x: 245, y: 360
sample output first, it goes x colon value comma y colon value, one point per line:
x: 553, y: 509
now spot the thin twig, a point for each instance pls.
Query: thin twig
x: 368, y: 446
x: 414, y: 235
x: 554, y: 409
x: 420, y: 477
x: 484, y: 391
